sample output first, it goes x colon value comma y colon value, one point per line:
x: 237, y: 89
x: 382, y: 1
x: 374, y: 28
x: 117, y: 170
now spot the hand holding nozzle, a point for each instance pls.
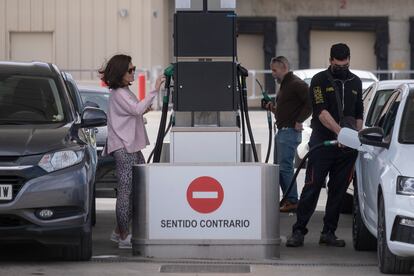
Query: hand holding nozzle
x: 269, y: 106
x: 160, y: 80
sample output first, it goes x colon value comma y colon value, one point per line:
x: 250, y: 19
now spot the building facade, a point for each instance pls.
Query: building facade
x: 83, y: 34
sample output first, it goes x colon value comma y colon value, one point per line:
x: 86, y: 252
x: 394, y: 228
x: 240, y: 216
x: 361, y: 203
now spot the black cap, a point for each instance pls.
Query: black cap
x: 340, y: 51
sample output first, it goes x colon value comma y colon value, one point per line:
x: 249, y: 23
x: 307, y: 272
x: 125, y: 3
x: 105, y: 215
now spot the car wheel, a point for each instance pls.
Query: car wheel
x: 362, y: 239
x: 387, y: 261
x: 81, y: 251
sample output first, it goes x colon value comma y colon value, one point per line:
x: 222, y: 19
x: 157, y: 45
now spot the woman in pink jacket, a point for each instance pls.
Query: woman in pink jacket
x: 126, y: 135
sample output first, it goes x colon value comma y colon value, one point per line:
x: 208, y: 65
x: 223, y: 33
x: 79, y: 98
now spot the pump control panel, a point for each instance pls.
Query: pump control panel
x: 205, y: 53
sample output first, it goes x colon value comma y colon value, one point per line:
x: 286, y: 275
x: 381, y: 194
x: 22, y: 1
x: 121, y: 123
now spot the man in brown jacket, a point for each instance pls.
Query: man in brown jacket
x: 293, y: 106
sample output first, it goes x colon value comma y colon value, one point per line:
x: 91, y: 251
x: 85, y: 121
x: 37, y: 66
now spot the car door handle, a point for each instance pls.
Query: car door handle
x: 368, y: 156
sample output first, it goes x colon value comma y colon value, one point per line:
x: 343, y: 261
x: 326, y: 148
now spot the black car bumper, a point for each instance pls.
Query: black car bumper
x: 402, y: 233
x: 62, y: 235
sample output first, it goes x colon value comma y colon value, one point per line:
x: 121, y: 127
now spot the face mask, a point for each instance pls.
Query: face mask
x: 340, y: 71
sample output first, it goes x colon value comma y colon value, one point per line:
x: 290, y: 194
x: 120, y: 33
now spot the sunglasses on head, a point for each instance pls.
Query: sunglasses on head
x: 131, y: 70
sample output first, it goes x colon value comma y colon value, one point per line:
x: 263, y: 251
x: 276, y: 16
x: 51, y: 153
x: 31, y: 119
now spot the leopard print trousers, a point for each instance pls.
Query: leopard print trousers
x: 124, y: 162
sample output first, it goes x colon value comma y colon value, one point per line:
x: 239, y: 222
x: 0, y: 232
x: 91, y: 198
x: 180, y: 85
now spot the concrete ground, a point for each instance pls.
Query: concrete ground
x: 311, y: 259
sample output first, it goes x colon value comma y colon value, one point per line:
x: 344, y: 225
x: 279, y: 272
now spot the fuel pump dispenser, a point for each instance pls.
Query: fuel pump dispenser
x: 206, y: 202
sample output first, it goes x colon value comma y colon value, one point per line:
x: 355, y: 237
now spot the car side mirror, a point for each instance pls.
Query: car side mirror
x: 93, y: 117
x: 373, y: 136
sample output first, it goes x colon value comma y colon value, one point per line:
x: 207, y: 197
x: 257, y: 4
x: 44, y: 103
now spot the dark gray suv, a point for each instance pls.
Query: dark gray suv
x: 48, y: 160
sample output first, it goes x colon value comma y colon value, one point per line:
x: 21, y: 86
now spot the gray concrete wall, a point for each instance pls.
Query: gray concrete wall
x: 286, y: 11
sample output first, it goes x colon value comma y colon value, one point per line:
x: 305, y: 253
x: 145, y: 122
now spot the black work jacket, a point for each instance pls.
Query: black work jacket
x: 323, y: 97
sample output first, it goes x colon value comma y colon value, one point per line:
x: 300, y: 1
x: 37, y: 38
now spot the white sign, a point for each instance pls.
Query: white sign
x: 205, y: 202
x: 6, y: 192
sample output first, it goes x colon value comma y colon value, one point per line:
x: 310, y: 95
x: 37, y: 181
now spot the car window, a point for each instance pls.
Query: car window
x: 406, y: 135
x: 386, y: 120
x: 74, y: 94
x: 101, y: 99
x: 29, y: 99
x: 366, y: 96
x: 377, y: 105
x: 308, y: 81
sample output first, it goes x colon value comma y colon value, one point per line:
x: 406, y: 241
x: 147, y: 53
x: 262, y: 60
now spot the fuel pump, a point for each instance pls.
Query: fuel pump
x: 190, y: 206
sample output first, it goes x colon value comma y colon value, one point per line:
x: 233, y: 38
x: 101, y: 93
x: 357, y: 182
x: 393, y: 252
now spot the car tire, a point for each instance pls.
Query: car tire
x: 362, y: 239
x: 81, y: 251
x: 388, y: 262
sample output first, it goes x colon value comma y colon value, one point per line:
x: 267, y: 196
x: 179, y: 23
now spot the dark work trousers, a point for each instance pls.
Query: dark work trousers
x: 339, y: 164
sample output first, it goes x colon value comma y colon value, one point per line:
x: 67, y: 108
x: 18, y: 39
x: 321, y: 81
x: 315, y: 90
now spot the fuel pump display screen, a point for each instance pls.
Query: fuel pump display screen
x: 205, y: 34
x: 205, y: 86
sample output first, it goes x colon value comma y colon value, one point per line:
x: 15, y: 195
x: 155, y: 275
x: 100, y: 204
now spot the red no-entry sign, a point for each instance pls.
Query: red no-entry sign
x: 205, y: 194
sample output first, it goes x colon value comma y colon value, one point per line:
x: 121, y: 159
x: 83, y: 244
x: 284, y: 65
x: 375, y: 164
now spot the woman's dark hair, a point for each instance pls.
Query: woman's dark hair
x: 113, y: 72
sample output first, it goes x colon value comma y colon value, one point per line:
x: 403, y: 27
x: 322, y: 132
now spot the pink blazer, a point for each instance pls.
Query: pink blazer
x: 125, y: 122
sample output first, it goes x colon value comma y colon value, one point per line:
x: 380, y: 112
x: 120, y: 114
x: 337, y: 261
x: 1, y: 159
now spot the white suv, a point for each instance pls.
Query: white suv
x: 384, y: 190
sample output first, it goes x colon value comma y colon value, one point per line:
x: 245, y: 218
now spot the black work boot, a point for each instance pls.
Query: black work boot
x: 329, y: 239
x: 296, y: 239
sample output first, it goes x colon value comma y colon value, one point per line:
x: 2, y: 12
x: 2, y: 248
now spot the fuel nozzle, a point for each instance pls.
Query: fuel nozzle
x: 169, y: 71
x: 266, y: 97
x: 330, y: 143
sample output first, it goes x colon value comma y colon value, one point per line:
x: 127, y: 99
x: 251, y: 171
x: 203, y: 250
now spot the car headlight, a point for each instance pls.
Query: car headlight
x: 59, y: 160
x: 405, y: 185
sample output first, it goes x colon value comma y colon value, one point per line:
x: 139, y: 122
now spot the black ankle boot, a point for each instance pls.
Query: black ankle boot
x: 329, y: 239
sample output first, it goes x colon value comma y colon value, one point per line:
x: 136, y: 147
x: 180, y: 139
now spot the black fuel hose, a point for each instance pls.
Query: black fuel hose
x: 243, y: 73
x: 269, y: 144
x: 161, y: 129
x: 249, y: 128
x: 165, y: 134
x: 269, y: 123
x: 243, y: 125
x: 323, y: 144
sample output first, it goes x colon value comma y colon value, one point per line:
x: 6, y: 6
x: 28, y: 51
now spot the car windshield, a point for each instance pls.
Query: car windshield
x: 407, y: 123
x: 29, y: 100
x: 101, y: 99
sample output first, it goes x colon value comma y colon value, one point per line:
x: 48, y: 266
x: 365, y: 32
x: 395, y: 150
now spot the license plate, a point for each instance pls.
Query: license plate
x: 6, y: 192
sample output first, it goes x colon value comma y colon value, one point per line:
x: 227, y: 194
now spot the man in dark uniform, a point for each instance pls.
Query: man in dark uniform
x: 293, y: 106
x: 337, y: 100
